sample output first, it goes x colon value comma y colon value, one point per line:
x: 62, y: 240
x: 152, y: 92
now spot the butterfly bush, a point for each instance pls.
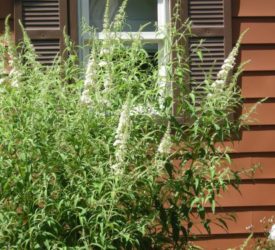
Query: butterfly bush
x: 121, y: 137
x: 90, y: 158
x: 166, y: 143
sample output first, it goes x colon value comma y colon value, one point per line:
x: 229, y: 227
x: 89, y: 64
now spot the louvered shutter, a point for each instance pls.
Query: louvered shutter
x: 211, y: 21
x: 44, y: 21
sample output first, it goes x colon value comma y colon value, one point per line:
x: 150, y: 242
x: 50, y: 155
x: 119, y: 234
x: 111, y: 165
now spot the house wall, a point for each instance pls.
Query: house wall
x: 257, y: 145
x: 6, y: 8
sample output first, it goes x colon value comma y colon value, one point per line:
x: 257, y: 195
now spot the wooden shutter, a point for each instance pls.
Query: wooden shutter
x: 211, y: 22
x: 44, y: 21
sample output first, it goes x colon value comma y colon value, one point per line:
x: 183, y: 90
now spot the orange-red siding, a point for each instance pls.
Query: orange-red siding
x: 256, y: 199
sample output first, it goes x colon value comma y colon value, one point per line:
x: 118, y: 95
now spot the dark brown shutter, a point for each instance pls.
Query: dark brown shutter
x: 211, y: 23
x: 44, y: 21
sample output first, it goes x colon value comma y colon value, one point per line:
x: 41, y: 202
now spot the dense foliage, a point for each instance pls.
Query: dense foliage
x: 96, y: 159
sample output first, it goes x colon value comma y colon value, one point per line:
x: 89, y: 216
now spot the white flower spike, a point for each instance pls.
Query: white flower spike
x: 85, y: 97
x: 90, y: 73
x: 226, y: 68
x: 2, y: 80
x: 166, y: 143
x: 121, y: 138
x: 272, y: 233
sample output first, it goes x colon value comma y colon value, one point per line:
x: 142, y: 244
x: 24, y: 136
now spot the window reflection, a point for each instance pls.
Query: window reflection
x: 138, y: 13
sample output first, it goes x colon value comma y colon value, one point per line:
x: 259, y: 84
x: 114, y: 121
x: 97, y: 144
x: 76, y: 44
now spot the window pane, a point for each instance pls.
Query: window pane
x: 139, y: 12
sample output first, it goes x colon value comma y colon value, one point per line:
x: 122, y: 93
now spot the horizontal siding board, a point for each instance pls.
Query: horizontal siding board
x: 249, y: 195
x: 228, y: 241
x: 263, y: 115
x: 244, y: 162
x: 266, y: 164
x: 259, y: 139
x: 244, y: 220
x: 258, y: 84
x: 253, y: 8
x: 256, y: 146
x: 259, y: 57
x: 260, y: 31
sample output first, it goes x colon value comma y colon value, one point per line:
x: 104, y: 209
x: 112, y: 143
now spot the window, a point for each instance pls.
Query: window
x: 44, y: 21
x: 154, y: 14
x: 139, y: 12
x: 211, y: 22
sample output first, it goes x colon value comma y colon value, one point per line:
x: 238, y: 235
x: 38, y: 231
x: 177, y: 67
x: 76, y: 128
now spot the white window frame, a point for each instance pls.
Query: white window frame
x: 163, y: 14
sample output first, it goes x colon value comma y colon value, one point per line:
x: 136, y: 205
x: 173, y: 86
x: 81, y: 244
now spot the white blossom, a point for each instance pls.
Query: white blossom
x: 15, y: 77
x: 219, y: 82
x: 272, y: 233
x: 222, y: 74
x: 2, y: 80
x: 144, y: 110
x: 85, y: 97
x: 15, y: 83
x: 227, y: 66
x: 116, y: 168
x: 102, y: 64
x: 166, y: 143
x: 90, y: 77
x: 104, y: 50
x: 122, y: 136
x: 107, y: 82
x: 121, y: 145
x: 90, y: 73
x: 15, y: 74
x: 123, y: 124
x: 250, y: 227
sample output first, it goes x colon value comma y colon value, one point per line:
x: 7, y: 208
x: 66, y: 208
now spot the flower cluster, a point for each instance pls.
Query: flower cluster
x: 165, y: 145
x: 2, y: 80
x: 120, y: 17
x: 122, y: 135
x: 105, y: 48
x: 104, y: 64
x: 15, y: 74
x: 90, y: 73
x: 85, y: 97
x: 272, y: 233
x: 88, y: 82
x: 226, y: 68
